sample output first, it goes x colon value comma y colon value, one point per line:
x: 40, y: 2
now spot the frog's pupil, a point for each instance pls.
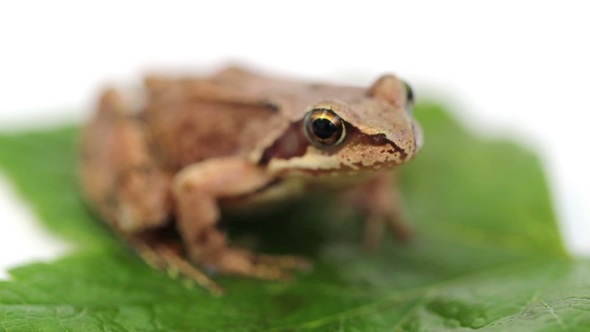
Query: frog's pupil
x: 324, y: 128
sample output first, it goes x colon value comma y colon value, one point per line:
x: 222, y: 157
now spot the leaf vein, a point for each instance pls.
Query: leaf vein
x: 560, y: 321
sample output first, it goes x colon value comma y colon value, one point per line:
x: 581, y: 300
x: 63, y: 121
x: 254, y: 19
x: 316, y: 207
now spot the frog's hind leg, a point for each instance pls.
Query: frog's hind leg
x: 118, y: 173
x: 197, y: 190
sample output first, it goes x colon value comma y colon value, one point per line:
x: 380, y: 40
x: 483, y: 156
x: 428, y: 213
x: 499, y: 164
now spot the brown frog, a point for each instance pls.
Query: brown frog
x: 186, y: 150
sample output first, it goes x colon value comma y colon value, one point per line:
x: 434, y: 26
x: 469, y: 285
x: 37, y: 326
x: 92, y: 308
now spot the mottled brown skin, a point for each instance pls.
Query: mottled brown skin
x: 236, y: 140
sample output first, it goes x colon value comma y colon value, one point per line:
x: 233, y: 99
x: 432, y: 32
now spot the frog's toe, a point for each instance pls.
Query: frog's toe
x: 166, y: 257
x: 244, y: 263
x: 289, y: 262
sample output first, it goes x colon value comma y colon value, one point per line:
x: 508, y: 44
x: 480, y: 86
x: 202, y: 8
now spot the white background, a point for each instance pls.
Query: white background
x: 511, y: 68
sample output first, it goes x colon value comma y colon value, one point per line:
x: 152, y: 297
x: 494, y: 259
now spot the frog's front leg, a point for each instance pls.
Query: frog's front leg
x: 380, y: 200
x: 196, y: 190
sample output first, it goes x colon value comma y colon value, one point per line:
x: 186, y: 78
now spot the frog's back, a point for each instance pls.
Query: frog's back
x: 233, y: 113
x: 191, y: 120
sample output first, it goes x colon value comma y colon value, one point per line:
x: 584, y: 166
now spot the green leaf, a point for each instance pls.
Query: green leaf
x: 487, y: 254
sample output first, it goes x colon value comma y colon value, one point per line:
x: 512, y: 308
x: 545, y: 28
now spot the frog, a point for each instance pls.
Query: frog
x: 163, y: 163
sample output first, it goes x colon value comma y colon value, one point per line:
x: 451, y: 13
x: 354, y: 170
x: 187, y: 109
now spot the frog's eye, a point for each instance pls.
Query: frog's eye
x: 409, y: 97
x: 323, y: 128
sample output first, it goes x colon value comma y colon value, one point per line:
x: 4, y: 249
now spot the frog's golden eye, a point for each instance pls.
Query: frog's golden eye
x: 323, y: 128
x: 409, y: 97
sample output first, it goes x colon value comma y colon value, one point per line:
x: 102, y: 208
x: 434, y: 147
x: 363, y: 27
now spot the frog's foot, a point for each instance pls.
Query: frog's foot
x: 169, y: 257
x: 244, y: 263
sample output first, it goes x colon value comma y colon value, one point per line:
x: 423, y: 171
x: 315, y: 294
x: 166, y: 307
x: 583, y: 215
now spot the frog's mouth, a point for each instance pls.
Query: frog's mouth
x: 346, y: 169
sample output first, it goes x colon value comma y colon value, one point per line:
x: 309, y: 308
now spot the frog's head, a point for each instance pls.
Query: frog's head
x: 351, y: 133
